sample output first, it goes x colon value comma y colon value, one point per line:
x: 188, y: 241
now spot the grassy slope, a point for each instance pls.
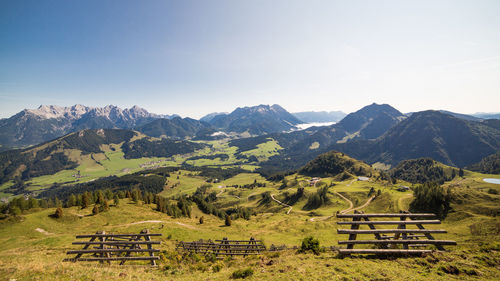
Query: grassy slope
x: 112, y: 162
x: 26, y: 254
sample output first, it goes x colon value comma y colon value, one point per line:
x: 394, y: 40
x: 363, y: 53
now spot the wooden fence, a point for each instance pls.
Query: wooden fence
x: 115, y: 247
x: 387, y: 240
x: 223, y: 247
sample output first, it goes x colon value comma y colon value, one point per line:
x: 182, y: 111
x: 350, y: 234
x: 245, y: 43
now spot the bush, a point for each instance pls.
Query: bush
x: 242, y: 273
x: 228, y: 220
x: 201, y: 220
x: 217, y: 267
x: 310, y: 244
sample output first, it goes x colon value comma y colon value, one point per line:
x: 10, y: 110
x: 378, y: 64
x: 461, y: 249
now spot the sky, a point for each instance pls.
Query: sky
x: 196, y: 57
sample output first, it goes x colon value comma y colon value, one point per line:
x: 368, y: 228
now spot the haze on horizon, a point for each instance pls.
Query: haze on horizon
x: 196, y: 57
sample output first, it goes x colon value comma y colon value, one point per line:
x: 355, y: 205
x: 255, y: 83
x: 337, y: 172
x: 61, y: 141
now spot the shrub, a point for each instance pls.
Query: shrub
x: 217, y: 267
x: 201, y: 220
x: 310, y: 244
x: 228, y: 220
x: 96, y: 210
x: 242, y: 273
x: 58, y: 213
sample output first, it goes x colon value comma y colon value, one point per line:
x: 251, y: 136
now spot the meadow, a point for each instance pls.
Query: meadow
x: 33, y: 245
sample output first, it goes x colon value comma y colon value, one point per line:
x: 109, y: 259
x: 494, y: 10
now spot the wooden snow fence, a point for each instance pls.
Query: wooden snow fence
x: 105, y: 247
x: 223, y: 247
x: 402, y: 240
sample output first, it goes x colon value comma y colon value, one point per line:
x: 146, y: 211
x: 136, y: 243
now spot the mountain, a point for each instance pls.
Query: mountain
x: 71, y: 150
x: 176, y: 128
x: 335, y: 163
x: 210, y: 116
x: 33, y: 126
x: 488, y: 165
x: 442, y: 137
x: 461, y: 116
x: 256, y: 120
x: 319, y: 116
x: 371, y: 121
x: 485, y: 115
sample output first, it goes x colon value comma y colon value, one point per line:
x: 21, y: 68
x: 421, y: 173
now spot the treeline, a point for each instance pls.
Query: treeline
x: 222, y: 156
x: 489, y: 165
x: 206, y: 203
x: 144, y: 181
x: 423, y: 170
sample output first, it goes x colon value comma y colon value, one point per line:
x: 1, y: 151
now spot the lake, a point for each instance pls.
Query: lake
x: 490, y: 180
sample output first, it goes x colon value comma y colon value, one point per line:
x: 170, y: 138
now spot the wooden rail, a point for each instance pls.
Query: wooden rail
x: 115, y: 247
x: 387, y: 244
x: 223, y: 247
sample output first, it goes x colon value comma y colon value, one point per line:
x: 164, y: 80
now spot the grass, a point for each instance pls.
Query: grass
x: 27, y: 254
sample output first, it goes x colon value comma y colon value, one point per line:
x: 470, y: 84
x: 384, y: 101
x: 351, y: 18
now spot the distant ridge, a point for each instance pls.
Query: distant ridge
x: 33, y: 126
x: 256, y: 120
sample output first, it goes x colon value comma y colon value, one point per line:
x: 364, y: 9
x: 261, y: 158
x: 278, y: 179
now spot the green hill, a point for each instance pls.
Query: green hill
x: 423, y: 170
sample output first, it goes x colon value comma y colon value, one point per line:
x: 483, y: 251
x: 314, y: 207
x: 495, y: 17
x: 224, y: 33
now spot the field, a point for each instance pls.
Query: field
x: 33, y: 246
x: 112, y: 163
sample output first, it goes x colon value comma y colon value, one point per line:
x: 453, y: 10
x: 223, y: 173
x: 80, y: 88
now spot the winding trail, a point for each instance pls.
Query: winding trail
x: 400, y: 200
x: 283, y: 204
x: 159, y: 221
x: 345, y: 211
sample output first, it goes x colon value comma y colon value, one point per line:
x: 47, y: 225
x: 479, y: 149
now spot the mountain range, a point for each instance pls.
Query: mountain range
x: 33, y: 126
x: 377, y: 133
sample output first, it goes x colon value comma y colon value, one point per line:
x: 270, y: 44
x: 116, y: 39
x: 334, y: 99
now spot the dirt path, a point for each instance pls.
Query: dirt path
x: 341, y: 212
x: 283, y: 204
x: 159, y: 221
x: 362, y: 206
x: 400, y: 200
x: 43, y: 231
x: 348, y: 201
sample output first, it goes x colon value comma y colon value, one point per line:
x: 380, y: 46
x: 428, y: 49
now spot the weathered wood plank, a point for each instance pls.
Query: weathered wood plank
x: 116, y: 235
x: 373, y: 231
x: 115, y: 242
x: 392, y: 222
x: 382, y: 251
x: 395, y: 215
x: 113, y: 259
x: 110, y: 251
x: 401, y: 241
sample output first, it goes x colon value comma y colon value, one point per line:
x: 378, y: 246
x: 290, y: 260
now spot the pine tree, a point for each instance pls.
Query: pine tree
x: 201, y: 220
x: 227, y: 222
x: 71, y: 201
x: 116, y: 200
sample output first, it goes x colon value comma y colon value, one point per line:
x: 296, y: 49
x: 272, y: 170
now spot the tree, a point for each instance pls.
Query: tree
x: 431, y: 198
x: 116, y: 200
x: 71, y: 201
x: 85, y: 201
x: 105, y: 206
x: 201, y: 220
x: 228, y: 220
x: 59, y: 213
x: 461, y: 173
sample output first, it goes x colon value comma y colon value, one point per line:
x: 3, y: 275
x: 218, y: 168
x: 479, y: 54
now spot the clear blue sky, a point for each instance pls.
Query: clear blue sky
x: 195, y: 57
